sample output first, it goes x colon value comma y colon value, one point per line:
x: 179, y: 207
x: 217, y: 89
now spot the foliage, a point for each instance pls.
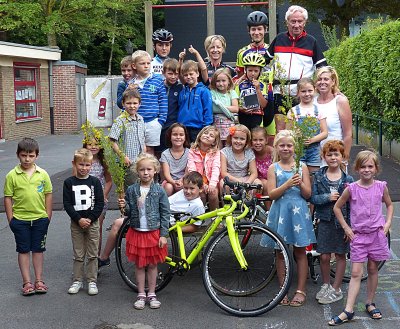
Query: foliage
x: 368, y: 67
x: 340, y: 16
x: 88, y: 31
x: 330, y: 35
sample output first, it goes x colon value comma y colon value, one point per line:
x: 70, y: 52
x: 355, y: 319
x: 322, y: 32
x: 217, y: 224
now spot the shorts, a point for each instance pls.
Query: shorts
x: 130, y: 176
x: 373, y: 246
x: 30, y: 235
x: 312, y: 155
x: 153, y: 132
x: 162, y: 147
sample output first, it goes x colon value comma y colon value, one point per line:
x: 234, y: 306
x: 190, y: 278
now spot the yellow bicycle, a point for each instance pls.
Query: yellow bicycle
x: 238, y: 273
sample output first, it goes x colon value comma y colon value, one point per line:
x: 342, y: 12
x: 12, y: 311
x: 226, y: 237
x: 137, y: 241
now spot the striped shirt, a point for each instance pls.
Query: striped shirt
x: 154, y: 99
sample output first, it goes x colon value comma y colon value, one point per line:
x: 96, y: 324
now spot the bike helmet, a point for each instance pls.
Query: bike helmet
x: 162, y: 35
x: 254, y: 59
x: 256, y: 18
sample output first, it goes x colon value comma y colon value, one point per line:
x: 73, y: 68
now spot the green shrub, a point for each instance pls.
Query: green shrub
x: 369, y: 71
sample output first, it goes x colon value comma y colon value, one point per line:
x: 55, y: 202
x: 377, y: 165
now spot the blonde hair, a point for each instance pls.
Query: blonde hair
x: 211, y: 38
x: 138, y: 54
x: 242, y: 128
x: 215, y: 146
x: 333, y: 75
x: 364, y: 156
x: 146, y: 156
x: 217, y: 73
x: 83, y: 154
x: 280, y: 135
x: 189, y: 65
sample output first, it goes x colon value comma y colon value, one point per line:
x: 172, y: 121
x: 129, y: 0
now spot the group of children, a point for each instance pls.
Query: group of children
x: 194, y: 132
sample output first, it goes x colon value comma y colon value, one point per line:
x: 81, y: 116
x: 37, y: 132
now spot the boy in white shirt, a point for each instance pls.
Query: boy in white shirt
x: 188, y: 200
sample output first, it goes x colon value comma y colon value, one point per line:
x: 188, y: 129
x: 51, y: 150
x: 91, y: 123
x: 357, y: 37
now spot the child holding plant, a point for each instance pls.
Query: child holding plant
x: 289, y: 216
x: 307, y: 120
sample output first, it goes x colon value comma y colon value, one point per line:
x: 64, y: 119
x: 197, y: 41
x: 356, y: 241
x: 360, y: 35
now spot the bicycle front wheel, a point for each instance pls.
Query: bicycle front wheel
x: 243, y: 292
x: 347, y: 273
x: 127, y: 269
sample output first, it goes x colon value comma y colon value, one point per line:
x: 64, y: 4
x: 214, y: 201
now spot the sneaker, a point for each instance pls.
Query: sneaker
x: 105, y: 262
x: 140, y: 302
x: 331, y: 297
x: 92, y: 290
x: 153, y: 302
x: 322, y: 292
x: 76, y: 286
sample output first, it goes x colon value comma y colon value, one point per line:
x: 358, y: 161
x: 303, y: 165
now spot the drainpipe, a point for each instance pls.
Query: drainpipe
x: 51, y: 94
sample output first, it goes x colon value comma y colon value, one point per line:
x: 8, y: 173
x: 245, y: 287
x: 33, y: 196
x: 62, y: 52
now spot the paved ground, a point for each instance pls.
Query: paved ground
x: 56, y: 155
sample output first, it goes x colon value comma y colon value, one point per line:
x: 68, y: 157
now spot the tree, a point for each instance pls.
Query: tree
x: 340, y: 13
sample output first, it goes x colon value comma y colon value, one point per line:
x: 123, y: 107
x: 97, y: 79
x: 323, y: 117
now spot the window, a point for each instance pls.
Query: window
x: 27, y: 95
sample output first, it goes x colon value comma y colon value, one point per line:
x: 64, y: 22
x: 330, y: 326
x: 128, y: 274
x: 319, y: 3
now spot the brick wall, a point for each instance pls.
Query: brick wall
x: 65, y: 111
x: 13, y: 130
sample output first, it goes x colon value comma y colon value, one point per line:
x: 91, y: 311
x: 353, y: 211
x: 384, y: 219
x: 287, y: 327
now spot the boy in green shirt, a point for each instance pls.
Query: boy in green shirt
x: 28, y: 206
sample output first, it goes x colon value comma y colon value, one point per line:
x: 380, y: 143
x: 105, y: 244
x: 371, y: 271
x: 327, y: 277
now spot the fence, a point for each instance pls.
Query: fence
x: 380, y: 123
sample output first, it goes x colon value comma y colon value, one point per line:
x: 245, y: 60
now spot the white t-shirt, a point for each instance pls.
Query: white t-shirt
x: 178, y: 202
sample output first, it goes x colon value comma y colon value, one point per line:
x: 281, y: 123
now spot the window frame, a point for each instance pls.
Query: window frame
x: 35, y: 83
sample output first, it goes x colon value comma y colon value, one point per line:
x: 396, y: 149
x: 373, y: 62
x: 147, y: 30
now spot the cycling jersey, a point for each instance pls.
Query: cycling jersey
x: 298, y: 58
x: 261, y: 49
x: 157, y: 64
x: 211, y: 70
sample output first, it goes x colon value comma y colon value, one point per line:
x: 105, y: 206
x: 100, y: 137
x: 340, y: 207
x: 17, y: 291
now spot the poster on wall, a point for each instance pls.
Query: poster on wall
x: 101, y: 100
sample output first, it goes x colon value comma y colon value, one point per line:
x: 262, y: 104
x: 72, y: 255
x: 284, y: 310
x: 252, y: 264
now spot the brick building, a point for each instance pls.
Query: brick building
x: 39, y: 94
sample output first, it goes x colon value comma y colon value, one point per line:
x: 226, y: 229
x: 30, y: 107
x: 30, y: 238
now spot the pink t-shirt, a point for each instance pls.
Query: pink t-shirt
x: 366, y: 207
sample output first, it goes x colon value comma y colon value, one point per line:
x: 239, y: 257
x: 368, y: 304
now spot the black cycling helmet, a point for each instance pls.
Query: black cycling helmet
x: 256, y: 18
x: 254, y: 59
x: 162, y: 35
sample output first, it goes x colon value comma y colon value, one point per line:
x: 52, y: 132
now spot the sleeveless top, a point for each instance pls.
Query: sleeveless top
x: 97, y: 171
x: 332, y: 119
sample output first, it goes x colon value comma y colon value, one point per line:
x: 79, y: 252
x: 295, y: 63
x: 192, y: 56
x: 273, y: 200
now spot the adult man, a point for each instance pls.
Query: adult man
x: 297, y: 52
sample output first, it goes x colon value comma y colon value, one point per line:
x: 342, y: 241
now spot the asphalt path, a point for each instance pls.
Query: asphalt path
x: 185, y: 303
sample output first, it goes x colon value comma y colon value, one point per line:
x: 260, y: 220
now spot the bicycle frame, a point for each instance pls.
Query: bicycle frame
x: 220, y: 214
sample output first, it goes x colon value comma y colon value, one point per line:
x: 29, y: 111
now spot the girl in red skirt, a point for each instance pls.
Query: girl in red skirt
x: 147, y: 207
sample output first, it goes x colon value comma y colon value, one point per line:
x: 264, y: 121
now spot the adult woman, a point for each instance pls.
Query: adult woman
x: 336, y: 107
x: 215, y: 46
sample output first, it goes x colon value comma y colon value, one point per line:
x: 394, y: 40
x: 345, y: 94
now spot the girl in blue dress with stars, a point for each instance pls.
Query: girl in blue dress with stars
x: 289, y: 215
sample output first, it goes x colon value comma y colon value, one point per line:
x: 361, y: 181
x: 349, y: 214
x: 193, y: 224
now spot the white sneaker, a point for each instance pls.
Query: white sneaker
x: 322, y: 292
x: 92, y: 290
x: 331, y: 297
x: 76, y: 286
x: 140, y: 302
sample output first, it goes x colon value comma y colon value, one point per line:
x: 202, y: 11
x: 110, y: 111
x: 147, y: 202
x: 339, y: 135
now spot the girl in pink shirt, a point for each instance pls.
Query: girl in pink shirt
x: 367, y: 234
x: 204, y: 157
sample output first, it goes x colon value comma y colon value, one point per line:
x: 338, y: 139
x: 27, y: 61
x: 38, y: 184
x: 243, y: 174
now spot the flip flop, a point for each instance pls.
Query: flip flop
x: 375, y: 313
x: 296, y: 302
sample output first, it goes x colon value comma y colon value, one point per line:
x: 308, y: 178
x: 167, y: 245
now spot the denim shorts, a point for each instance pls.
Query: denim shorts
x: 312, y: 156
x: 153, y: 132
x: 30, y: 235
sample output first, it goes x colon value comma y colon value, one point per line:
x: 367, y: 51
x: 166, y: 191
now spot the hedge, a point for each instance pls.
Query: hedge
x: 368, y: 66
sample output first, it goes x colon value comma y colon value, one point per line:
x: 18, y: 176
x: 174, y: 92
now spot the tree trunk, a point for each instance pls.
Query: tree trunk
x: 52, y: 40
x: 112, y: 44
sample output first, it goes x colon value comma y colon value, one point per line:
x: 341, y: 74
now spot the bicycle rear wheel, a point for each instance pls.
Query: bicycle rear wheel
x: 347, y: 273
x: 242, y: 292
x: 127, y: 269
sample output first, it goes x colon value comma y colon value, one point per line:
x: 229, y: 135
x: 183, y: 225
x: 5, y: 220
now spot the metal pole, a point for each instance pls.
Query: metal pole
x: 148, y: 25
x: 356, y: 129
x: 272, y: 19
x: 210, y: 18
x: 380, y: 138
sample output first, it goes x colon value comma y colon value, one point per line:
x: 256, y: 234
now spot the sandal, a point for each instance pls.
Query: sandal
x: 28, y: 289
x: 40, y: 287
x: 295, y: 301
x: 285, y: 301
x: 140, y: 302
x: 335, y: 321
x: 375, y: 313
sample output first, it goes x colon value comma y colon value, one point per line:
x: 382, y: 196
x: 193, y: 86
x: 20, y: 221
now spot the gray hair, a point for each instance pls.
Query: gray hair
x: 293, y: 9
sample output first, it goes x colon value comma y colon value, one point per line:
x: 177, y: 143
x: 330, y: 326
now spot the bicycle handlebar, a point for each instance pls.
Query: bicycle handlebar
x: 245, y: 186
